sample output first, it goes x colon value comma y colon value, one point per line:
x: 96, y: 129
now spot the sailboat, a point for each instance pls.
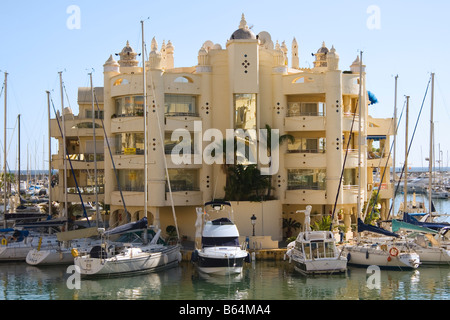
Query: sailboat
x: 121, y: 257
x: 219, y: 251
x: 432, y: 246
x: 380, y: 251
x: 424, y: 235
x: 110, y: 259
x: 315, y: 252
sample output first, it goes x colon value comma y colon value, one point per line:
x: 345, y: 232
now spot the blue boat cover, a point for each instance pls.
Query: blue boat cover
x: 432, y: 225
x: 367, y: 227
x: 141, y: 224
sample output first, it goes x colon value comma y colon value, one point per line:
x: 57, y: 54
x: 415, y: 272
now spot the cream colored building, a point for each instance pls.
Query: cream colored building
x: 247, y: 83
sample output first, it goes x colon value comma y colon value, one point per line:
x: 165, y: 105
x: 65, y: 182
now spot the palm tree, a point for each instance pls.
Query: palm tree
x: 290, y: 224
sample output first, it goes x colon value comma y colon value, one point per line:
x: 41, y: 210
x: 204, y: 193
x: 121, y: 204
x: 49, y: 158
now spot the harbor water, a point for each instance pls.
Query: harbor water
x: 260, y: 280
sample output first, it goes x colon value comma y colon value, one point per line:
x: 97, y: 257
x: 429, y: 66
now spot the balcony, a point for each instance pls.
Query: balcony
x: 305, y: 196
x: 296, y: 121
x: 305, y: 159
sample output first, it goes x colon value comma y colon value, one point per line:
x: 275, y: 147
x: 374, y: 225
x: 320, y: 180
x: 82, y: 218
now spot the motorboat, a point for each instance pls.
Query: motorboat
x: 218, y: 251
x: 315, y: 252
x: 117, y: 258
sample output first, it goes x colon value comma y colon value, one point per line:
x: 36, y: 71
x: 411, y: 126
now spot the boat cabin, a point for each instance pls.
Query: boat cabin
x: 316, y: 245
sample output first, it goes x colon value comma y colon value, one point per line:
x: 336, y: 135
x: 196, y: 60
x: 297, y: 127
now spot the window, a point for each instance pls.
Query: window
x: 312, y: 179
x: 307, y: 145
x: 129, y: 143
x: 98, y: 114
x: 350, y: 177
x: 183, y: 180
x: 169, y: 144
x: 131, y: 180
x: 245, y: 111
x: 180, y: 105
x: 296, y: 109
x: 130, y: 106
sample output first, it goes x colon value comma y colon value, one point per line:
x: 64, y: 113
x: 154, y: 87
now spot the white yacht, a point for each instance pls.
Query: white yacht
x: 219, y: 251
x: 315, y: 252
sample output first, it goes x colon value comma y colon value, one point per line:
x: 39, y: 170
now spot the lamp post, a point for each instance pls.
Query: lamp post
x: 253, y: 219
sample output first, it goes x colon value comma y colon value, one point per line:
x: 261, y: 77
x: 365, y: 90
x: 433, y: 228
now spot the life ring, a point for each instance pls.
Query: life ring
x: 4, y: 242
x: 393, y: 251
x: 74, y: 252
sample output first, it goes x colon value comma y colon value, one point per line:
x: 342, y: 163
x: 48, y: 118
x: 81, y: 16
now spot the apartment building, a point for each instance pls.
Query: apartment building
x: 248, y: 83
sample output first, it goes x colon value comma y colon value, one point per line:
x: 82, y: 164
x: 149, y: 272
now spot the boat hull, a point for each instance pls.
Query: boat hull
x: 18, y: 251
x: 119, y: 265
x: 433, y: 255
x: 49, y: 257
x: 319, y: 266
x: 365, y: 257
x: 220, y: 261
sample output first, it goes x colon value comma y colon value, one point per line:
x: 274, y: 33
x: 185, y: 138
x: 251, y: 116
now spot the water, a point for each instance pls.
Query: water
x: 261, y: 280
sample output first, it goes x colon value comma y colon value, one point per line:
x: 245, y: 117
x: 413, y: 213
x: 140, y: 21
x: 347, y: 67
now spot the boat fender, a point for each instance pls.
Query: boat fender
x: 389, y: 258
x: 393, y: 251
x: 74, y: 252
x: 4, y: 242
x: 349, y: 256
x: 194, y: 256
x: 166, y: 259
x: 367, y: 254
x: 248, y: 259
x: 180, y: 257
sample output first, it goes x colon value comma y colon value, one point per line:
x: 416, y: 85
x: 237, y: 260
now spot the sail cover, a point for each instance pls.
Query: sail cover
x: 432, y: 225
x: 141, y: 224
x: 397, y: 225
x: 367, y: 227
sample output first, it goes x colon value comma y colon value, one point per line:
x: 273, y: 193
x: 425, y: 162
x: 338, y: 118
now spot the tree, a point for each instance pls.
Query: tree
x: 290, y: 224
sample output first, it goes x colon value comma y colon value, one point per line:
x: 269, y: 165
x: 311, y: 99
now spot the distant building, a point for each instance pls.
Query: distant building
x: 244, y: 85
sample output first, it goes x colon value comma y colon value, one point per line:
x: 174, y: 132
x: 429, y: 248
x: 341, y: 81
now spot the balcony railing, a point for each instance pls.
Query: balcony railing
x: 304, y: 114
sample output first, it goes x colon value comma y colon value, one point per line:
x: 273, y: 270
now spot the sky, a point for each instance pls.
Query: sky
x: 42, y: 38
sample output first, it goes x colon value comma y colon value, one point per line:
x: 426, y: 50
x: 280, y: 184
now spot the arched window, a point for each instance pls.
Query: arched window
x: 183, y: 79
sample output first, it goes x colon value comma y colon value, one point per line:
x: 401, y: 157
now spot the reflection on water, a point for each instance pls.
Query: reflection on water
x: 263, y: 280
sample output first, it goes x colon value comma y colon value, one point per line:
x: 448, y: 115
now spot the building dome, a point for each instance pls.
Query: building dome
x: 323, y: 49
x: 128, y: 57
x: 243, y: 32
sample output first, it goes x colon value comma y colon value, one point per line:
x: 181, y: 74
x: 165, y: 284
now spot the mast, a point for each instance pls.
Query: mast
x: 405, y: 185
x: 95, y: 154
x: 49, y: 158
x: 394, y: 174
x: 18, y: 156
x: 144, y: 82
x: 430, y: 163
x: 145, y: 123
x: 4, y: 155
x: 358, y: 204
x: 65, y: 212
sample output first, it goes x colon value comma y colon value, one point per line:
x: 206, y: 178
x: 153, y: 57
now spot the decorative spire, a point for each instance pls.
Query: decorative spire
x: 128, y: 56
x: 243, y: 24
x: 154, y: 45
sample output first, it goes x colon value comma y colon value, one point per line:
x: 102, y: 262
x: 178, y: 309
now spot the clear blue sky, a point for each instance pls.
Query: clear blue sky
x: 408, y: 38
